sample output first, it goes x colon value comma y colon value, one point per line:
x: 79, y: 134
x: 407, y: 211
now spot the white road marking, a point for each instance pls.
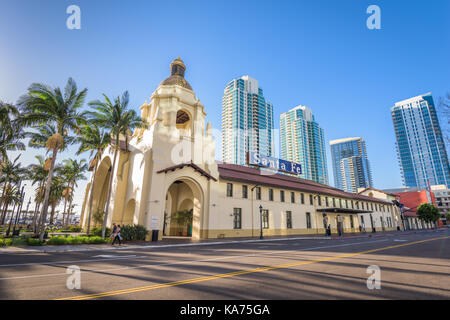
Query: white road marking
x: 190, y: 261
x: 113, y: 256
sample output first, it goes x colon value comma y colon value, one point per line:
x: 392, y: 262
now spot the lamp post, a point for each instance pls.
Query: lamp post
x: 260, y: 220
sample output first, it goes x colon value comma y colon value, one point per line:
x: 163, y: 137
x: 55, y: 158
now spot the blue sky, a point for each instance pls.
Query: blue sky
x: 314, y: 53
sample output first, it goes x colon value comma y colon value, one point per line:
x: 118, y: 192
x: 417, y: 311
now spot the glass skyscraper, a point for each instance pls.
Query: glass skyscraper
x: 247, y: 121
x: 302, y: 141
x: 351, y: 167
x: 420, y: 146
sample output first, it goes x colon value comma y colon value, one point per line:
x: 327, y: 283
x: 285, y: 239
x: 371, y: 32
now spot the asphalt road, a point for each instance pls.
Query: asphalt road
x: 412, y: 266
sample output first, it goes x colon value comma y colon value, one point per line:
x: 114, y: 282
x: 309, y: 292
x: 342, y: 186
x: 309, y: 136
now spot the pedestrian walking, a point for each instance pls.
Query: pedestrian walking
x: 117, y: 236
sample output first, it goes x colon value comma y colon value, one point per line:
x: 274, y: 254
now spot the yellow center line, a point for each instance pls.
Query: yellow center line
x: 238, y: 273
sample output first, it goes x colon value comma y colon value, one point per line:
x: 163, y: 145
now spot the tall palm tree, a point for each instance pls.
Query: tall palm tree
x: 37, y: 174
x: 72, y: 171
x: 95, y: 141
x: 117, y: 120
x: 56, y: 195
x: 11, y: 173
x: 10, y: 196
x: 11, y: 130
x: 45, y: 105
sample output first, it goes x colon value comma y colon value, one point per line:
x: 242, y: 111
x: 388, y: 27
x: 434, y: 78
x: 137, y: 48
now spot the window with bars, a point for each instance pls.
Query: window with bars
x: 244, y: 192
x: 292, y: 197
x: 281, y: 195
x: 258, y: 193
x: 265, y: 216
x: 308, y: 220
x: 289, y: 219
x: 270, y: 194
x: 229, y: 189
x: 237, y: 221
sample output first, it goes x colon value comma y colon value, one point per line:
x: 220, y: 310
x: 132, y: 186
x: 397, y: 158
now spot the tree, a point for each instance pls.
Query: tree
x: 45, y: 105
x: 72, y: 171
x: 37, y: 174
x: 11, y: 172
x: 11, y: 131
x: 428, y: 213
x: 118, y: 121
x: 93, y: 140
x: 10, y: 196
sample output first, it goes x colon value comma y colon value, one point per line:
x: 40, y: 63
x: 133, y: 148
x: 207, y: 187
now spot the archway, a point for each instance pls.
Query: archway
x: 128, y: 214
x: 184, y: 206
x: 100, y: 191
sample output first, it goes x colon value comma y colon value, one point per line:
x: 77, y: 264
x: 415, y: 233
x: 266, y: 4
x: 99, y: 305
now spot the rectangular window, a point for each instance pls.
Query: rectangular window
x: 229, y: 189
x: 334, y: 203
x: 302, y: 198
x: 346, y: 204
x: 352, y: 204
x: 362, y: 220
x: 371, y: 206
x: 237, y: 222
x: 311, y: 199
x: 270, y: 194
x: 319, y: 200
x: 258, y: 193
x: 326, y: 201
x: 308, y: 220
x: 357, y: 205
x: 265, y: 214
x: 244, y: 192
x: 288, y: 219
x: 281, y: 195
x: 292, y: 197
x: 351, y: 222
x: 340, y: 203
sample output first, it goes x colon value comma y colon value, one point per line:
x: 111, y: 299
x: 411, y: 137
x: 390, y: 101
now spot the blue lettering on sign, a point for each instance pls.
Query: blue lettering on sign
x: 272, y: 163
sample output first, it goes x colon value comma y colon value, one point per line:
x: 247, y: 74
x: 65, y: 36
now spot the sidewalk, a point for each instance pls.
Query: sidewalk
x: 182, y: 242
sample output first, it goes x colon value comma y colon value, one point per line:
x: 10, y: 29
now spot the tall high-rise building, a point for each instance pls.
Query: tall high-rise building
x: 302, y: 141
x: 351, y: 167
x: 247, y: 121
x: 420, y: 146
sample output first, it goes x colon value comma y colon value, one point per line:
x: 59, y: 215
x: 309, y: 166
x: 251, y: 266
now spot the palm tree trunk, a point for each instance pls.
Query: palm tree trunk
x: 47, y: 194
x: 91, y: 197
x: 52, y: 214
x: 3, y: 194
x: 36, y: 209
x: 70, y: 208
x: 5, y: 210
x: 105, y: 218
x: 64, y: 212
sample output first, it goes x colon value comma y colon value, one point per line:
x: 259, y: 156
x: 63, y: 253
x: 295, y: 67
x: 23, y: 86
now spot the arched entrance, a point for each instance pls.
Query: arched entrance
x: 183, y: 209
x: 100, y: 191
x: 128, y: 215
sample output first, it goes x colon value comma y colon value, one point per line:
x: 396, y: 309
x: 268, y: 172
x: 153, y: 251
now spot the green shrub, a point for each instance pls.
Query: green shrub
x: 5, y: 242
x: 97, y: 231
x: 135, y: 232
x: 34, y: 242
x: 96, y: 240
x: 58, y: 241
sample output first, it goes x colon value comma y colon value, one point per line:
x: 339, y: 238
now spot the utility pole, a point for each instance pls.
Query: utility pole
x: 260, y: 220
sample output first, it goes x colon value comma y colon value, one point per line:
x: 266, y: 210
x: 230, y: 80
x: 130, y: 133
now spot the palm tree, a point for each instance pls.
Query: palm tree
x: 56, y: 195
x: 37, y: 174
x: 45, y: 105
x: 118, y: 120
x: 95, y: 141
x: 11, y: 131
x: 11, y: 195
x: 11, y: 173
x: 72, y: 171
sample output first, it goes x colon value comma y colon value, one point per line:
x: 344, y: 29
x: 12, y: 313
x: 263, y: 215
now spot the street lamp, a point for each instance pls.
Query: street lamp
x: 260, y: 220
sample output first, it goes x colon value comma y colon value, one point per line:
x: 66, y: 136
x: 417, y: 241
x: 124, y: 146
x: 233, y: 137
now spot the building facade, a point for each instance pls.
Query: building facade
x: 302, y: 141
x: 442, y: 194
x: 168, y: 171
x: 420, y: 146
x: 351, y: 167
x: 247, y: 121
